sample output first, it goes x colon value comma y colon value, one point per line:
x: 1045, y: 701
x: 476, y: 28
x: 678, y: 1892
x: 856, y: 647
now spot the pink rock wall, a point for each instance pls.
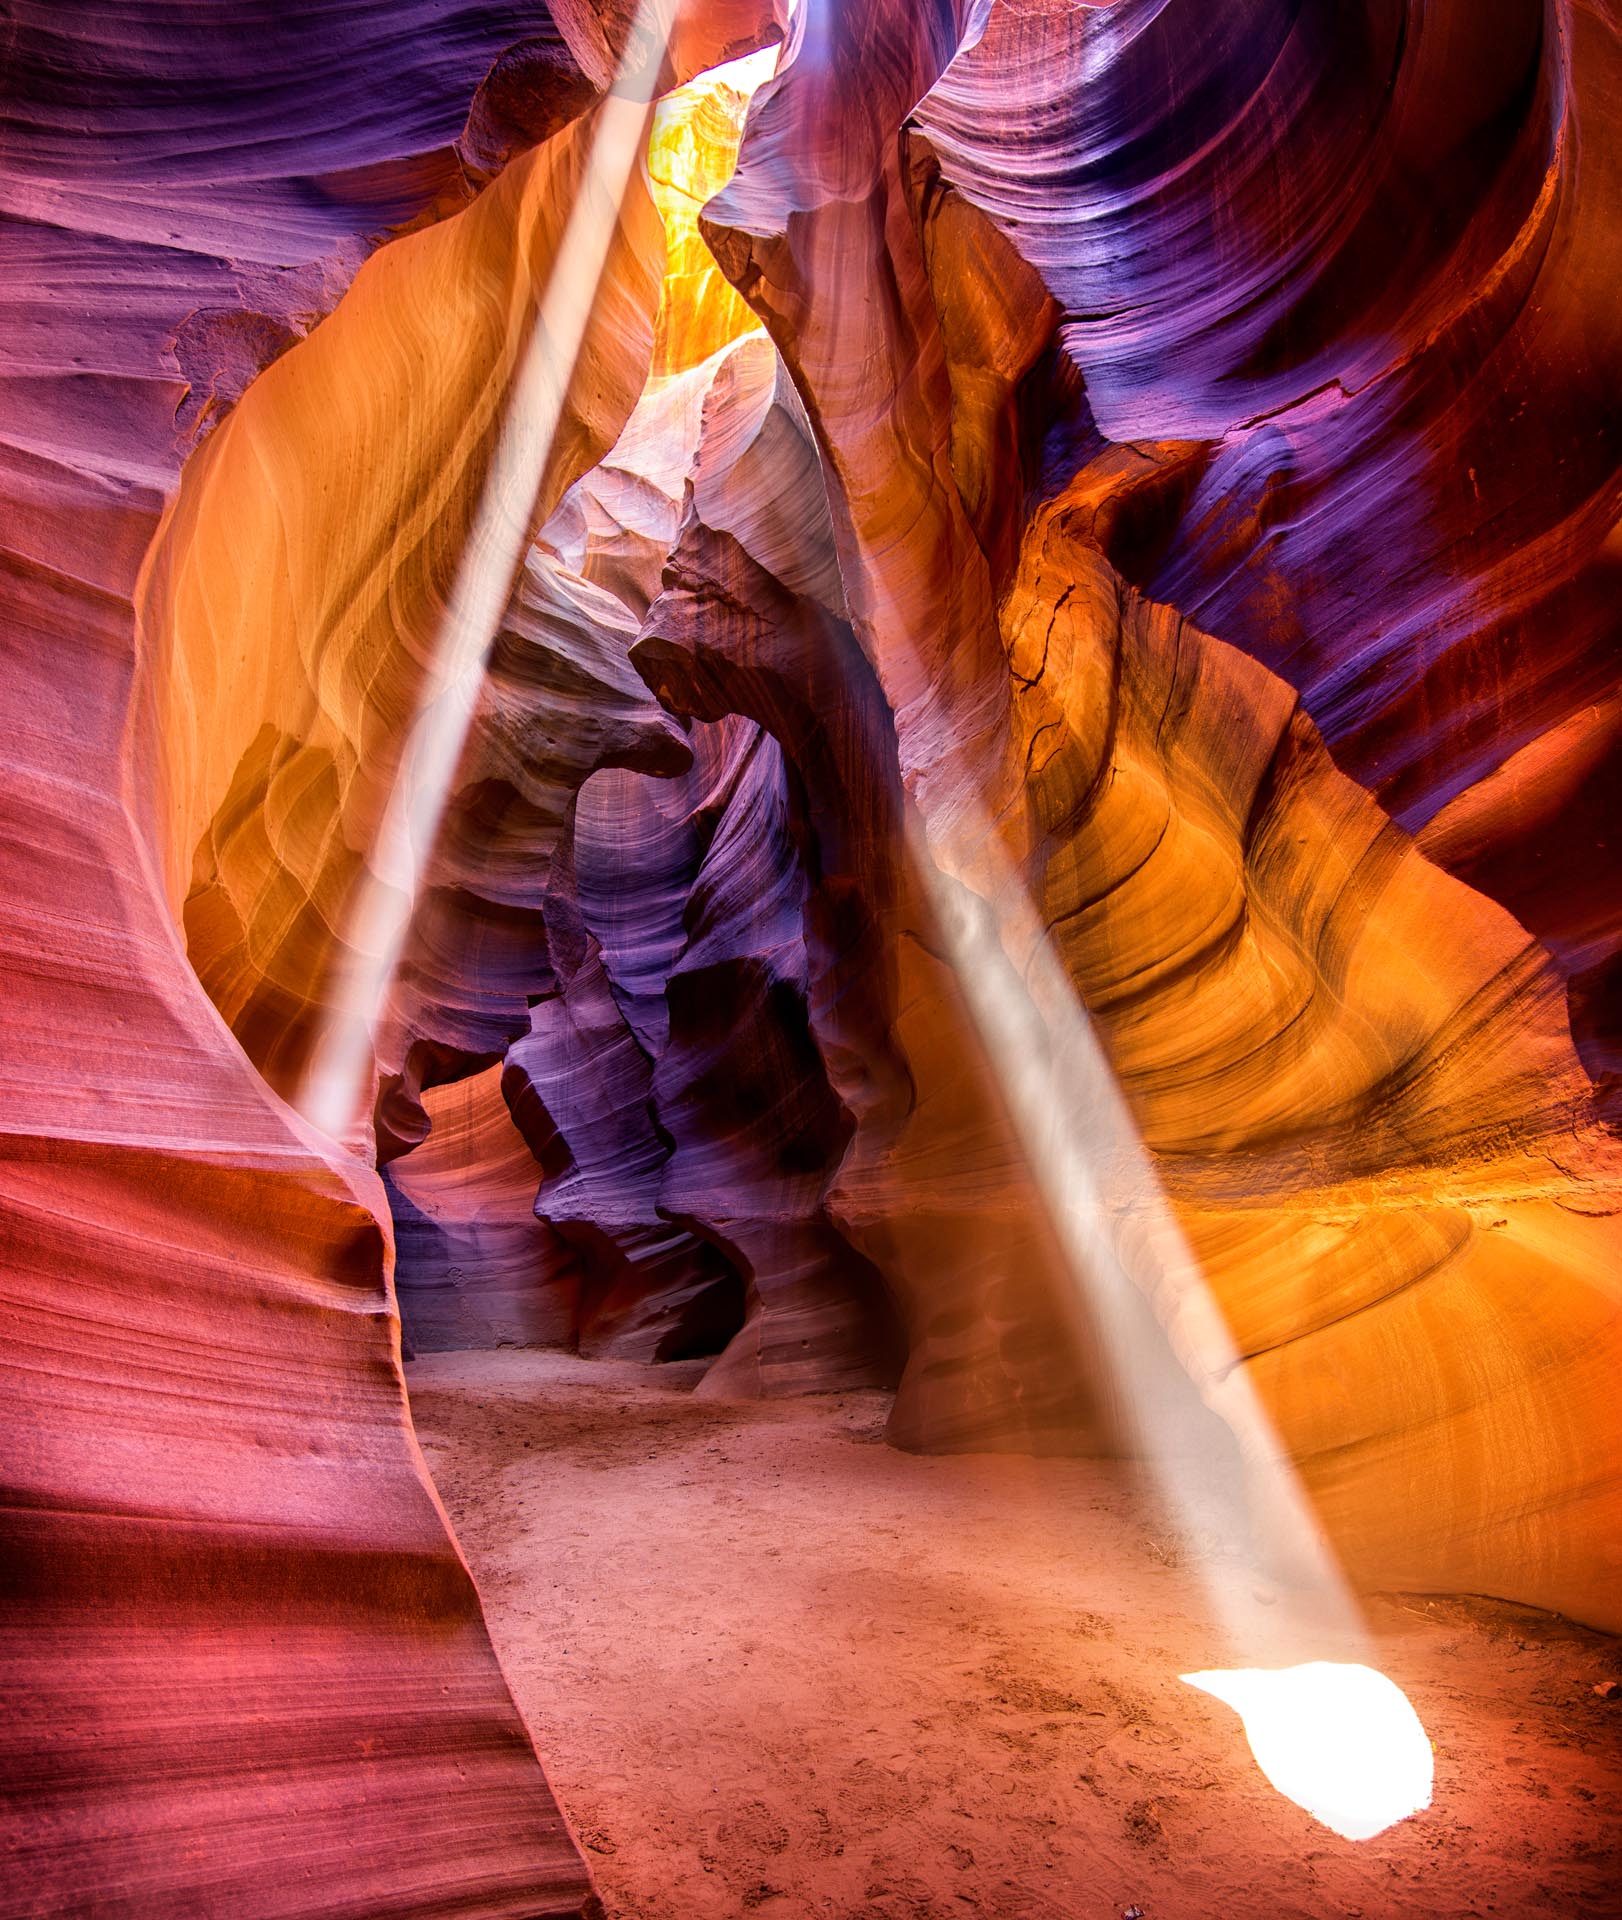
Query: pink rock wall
x: 244, y: 1663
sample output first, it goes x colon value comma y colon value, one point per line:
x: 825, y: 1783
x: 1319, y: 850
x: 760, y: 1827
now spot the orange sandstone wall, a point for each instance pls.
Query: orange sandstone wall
x: 1356, y: 1074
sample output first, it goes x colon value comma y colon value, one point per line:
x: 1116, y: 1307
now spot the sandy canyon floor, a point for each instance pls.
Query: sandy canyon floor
x: 776, y: 1667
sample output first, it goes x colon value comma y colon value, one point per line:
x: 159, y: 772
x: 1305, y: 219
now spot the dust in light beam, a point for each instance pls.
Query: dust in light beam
x: 335, y: 1087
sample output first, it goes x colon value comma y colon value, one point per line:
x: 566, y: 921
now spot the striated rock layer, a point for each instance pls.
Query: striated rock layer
x: 1357, y: 260
x: 1356, y: 1074
x: 245, y: 1666
x: 1152, y: 461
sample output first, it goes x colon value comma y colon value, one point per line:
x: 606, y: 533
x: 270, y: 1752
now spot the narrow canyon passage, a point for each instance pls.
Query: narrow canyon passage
x: 825, y: 795
x: 776, y: 1666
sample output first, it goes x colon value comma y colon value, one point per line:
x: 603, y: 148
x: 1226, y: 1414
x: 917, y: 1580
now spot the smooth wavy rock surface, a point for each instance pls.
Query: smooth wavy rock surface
x: 1153, y: 463
x: 245, y: 1666
x: 1359, y: 258
x: 1356, y: 1075
x: 293, y: 612
x: 922, y: 1176
x: 474, y: 1267
x: 580, y: 1088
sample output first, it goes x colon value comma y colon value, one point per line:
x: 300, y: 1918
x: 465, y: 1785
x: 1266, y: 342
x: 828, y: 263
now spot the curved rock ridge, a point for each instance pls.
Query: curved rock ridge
x: 245, y: 1666
x: 668, y: 1089
x: 1356, y: 1075
x: 740, y: 1086
x: 1361, y: 257
x: 579, y: 1080
x: 580, y: 1086
x: 292, y: 608
x: 558, y: 701
x: 474, y: 1267
x: 740, y: 1083
x: 729, y: 1129
x: 921, y: 1175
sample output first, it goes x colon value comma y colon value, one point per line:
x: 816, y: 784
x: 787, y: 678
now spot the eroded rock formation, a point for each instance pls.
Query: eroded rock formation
x: 1393, y: 360
x: 245, y: 1666
x: 1157, y: 460
x: 1357, y: 1075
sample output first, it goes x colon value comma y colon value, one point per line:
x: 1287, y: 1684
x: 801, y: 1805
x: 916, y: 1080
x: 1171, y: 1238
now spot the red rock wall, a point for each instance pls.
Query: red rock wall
x: 244, y: 1664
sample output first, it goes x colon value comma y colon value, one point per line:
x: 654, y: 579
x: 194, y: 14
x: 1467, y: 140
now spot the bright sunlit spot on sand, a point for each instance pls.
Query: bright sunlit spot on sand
x: 1340, y: 1740
x: 1335, y: 1736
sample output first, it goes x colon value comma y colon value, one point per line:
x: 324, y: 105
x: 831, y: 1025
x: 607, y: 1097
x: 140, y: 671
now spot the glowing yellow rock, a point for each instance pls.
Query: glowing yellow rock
x: 691, y: 157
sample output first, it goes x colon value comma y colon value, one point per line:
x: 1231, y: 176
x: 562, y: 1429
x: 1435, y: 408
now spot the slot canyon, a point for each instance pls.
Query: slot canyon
x: 811, y: 1049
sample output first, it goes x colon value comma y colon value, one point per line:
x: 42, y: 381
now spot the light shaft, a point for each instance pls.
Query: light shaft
x: 335, y: 1090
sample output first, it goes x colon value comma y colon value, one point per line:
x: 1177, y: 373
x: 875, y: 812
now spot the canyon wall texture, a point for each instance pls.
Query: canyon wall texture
x: 1356, y: 1073
x: 1146, y: 516
x: 1152, y: 464
x: 245, y: 1667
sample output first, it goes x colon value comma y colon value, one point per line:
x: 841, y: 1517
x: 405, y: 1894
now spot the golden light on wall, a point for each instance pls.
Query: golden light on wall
x: 333, y: 1094
x: 691, y: 156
